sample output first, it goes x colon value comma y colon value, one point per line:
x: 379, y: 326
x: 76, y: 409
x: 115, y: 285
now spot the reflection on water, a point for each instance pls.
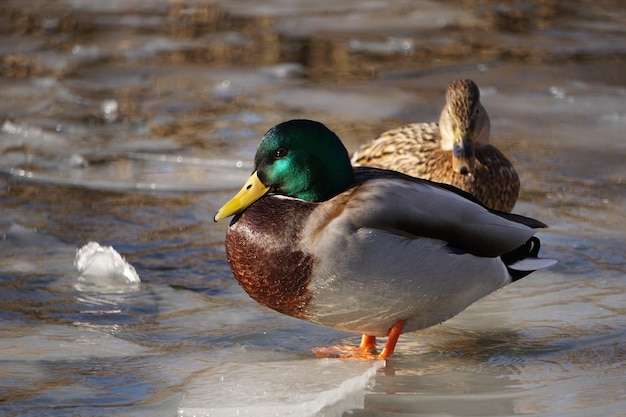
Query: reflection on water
x: 129, y: 123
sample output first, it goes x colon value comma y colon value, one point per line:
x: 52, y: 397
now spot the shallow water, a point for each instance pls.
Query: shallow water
x: 129, y: 123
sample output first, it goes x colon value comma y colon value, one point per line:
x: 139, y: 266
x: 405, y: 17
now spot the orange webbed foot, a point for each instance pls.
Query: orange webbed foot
x: 367, y: 348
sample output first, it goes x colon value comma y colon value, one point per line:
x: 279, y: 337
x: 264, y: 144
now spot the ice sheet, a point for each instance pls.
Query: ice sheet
x: 55, y: 342
x: 279, y: 388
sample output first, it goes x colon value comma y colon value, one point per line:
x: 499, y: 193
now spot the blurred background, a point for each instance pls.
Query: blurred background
x: 130, y: 122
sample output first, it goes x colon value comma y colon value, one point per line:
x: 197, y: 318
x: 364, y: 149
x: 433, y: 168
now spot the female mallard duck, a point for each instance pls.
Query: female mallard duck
x: 363, y: 249
x: 455, y: 152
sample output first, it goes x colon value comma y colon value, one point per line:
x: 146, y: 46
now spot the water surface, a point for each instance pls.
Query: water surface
x: 130, y: 123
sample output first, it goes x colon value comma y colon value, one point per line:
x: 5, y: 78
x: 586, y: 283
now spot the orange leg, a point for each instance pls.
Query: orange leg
x: 368, y: 344
x: 392, y: 339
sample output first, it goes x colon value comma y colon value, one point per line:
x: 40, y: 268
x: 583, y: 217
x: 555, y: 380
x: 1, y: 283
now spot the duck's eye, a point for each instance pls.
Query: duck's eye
x: 280, y: 153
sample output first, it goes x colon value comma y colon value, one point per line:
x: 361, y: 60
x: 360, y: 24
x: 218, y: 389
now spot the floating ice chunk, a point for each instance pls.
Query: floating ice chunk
x: 20, y: 236
x: 108, y: 109
x: 558, y: 92
x: 224, y: 90
x: 76, y: 160
x: 22, y: 134
x: 102, y: 269
x: 392, y: 45
x: 280, y: 388
x: 284, y: 70
x: 51, y: 342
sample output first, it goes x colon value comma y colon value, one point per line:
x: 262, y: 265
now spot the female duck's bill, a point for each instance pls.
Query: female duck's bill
x: 361, y: 249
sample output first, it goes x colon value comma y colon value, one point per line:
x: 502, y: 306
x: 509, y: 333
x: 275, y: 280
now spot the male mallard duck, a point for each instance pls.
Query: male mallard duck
x: 362, y: 249
x: 455, y: 152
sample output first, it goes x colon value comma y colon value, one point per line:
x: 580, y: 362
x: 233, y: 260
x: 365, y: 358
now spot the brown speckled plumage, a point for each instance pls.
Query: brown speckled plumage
x: 424, y: 150
x: 280, y: 281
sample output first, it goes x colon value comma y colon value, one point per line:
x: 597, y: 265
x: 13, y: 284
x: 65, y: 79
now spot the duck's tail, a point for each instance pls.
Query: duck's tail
x: 524, y: 260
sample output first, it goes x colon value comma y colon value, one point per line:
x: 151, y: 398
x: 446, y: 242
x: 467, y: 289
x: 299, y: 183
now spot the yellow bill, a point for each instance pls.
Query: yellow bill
x: 251, y: 191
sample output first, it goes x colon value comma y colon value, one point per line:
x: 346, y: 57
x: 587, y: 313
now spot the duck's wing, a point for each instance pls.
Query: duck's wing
x: 417, y: 208
x: 518, y: 218
x: 369, y: 173
x: 405, y: 149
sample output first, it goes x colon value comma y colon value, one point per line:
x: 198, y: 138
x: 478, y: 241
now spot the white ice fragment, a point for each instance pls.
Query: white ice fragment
x: 76, y: 160
x: 47, y: 83
x: 558, y: 92
x: 102, y: 269
x: 613, y: 117
x: 30, y: 135
x: 20, y: 236
x: 284, y: 70
x: 280, y: 388
x: 392, y: 45
x: 224, y: 89
x: 85, y: 51
x: 109, y: 108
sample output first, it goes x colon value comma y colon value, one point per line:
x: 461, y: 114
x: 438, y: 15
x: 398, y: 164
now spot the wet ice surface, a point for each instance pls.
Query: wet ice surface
x: 129, y: 124
x: 271, y: 388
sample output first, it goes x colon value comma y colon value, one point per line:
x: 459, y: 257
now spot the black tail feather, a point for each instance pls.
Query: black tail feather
x: 530, y: 249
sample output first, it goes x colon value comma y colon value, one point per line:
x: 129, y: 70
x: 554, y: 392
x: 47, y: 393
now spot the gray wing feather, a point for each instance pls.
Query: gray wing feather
x: 423, y: 210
